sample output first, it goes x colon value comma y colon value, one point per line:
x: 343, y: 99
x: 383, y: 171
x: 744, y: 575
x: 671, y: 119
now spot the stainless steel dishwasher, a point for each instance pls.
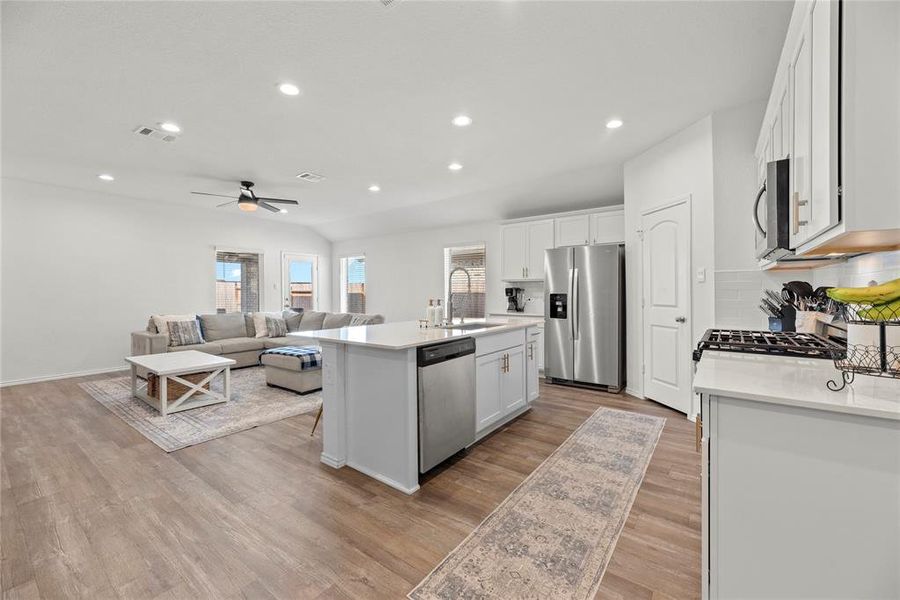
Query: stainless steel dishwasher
x: 446, y: 400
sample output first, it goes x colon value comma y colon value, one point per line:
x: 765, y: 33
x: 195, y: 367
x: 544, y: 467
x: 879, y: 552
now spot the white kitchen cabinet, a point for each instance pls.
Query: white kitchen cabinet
x: 522, y: 248
x: 487, y: 389
x: 841, y: 134
x: 512, y: 380
x: 607, y: 227
x: 798, y: 502
x: 801, y: 114
x: 573, y: 230
x: 500, y: 387
x: 513, y: 251
x: 532, y: 371
x: 540, y: 238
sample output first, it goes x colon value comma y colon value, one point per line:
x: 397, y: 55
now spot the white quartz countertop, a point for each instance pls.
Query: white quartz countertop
x: 407, y: 334
x: 795, y: 382
x: 509, y: 313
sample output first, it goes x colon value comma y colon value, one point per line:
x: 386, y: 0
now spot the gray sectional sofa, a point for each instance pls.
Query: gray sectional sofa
x: 233, y: 335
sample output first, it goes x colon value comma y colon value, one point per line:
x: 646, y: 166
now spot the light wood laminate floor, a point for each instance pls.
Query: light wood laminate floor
x: 92, y: 509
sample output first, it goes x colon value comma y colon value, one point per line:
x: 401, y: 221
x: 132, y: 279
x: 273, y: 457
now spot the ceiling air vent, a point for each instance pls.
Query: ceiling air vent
x: 310, y: 177
x: 155, y: 134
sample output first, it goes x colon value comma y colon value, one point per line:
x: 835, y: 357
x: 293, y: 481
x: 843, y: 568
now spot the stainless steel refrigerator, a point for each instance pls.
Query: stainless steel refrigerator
x: 584, y: 306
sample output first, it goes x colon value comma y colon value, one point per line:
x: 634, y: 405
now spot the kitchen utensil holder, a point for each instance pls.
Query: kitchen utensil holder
x: 878, y: 359
x: 787, y: 322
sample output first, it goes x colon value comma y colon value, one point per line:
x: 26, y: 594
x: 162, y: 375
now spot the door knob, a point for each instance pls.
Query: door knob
x: 680, y: 319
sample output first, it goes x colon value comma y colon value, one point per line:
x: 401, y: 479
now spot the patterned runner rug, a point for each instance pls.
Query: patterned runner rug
x: 252, y: 403
x: 554, y: 535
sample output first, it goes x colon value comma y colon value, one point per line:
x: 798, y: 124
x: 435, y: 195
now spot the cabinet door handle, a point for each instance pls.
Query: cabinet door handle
x: 797, y: 202
x: 698, y: 429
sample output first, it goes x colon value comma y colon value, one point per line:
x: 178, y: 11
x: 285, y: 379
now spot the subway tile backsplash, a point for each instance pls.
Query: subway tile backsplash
x: 858, y: 272
x: 738, y: 295
x: 738, y: 292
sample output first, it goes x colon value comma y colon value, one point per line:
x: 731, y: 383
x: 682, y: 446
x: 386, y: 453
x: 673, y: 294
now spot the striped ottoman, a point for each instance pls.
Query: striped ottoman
x: 296, y: 368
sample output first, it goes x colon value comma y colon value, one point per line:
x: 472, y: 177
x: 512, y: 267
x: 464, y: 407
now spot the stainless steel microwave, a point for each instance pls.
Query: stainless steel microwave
x: 771, y: 216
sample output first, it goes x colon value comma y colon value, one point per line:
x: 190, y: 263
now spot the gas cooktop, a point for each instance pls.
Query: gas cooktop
x: 784, y: 343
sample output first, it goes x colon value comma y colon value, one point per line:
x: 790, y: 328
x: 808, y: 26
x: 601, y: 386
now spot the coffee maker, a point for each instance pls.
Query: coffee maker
x: 515, y: 298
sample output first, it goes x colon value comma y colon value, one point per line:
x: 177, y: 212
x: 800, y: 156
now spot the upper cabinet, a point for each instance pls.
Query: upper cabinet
x: 833, y: 113
x: 522, y: 244
x: 522, y: 249
x: 608, y: 227
x: 573, y: 231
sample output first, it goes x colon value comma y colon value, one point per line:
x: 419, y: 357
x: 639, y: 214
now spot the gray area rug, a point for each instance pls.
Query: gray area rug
x: 554, y: 535
x: 252, y: 403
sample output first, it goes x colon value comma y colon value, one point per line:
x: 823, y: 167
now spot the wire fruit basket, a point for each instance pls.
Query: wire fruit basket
x: 873, y: 343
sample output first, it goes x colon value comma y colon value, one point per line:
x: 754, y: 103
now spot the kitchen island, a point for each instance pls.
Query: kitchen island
x: 801, y: 485
x: 370, y: 390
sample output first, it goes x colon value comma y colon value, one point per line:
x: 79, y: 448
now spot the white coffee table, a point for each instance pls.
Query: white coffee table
x: 172, y: 364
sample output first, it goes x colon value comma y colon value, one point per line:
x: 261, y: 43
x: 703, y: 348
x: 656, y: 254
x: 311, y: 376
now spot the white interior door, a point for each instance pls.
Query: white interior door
x: 300, y: 281
x: 667, y: 304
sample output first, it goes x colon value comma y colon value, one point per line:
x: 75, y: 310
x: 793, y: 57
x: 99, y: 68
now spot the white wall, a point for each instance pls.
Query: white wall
x: 739, y: 282
x: 404, y: 270
x: 679, y: 166
x: 81, y: 270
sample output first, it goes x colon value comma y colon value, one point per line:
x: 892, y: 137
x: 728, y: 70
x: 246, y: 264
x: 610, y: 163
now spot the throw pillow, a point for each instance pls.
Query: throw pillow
x: 161, y: 321
x: 292, y: 318
x: 311, y: 320
x: 184, y: 333
x: 259, y: 322
x: 276, y: 327
x: 359, y: 320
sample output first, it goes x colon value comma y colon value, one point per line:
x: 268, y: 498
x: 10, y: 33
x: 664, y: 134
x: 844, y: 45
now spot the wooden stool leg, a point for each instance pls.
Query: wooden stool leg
x: 318, y: 416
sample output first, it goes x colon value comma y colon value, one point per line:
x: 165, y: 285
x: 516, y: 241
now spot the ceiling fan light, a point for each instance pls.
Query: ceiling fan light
x: 247, y: 206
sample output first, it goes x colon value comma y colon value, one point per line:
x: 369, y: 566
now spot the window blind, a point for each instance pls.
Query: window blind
x: 237, y: 281
x: 466, y: 303
x: 353, y: 284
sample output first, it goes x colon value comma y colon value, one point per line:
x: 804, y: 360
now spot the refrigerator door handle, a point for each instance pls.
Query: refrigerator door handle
x: 571, y: 314
x: 575, y: 307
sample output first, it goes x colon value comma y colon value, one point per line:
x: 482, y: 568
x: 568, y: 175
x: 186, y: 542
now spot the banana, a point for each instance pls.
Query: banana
x: 881, y: 312
x: 876, y: 294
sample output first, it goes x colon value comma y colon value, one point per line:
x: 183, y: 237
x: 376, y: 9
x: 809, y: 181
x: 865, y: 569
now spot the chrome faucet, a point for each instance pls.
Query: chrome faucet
x: 462, y: 319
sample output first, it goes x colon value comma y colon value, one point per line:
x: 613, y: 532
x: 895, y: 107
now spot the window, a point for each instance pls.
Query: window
x: 468, y: 303
x: 237, y: 281
x: 301, y: 274
x: 353, y: 284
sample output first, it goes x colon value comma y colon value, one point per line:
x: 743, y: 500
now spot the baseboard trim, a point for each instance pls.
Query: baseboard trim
x: 633, y: 392
x: 385, y: 480
x: 331, y: 462
x: 43, y: 378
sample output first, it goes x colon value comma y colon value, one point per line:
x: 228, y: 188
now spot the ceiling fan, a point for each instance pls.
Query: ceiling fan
x: 248, y: 201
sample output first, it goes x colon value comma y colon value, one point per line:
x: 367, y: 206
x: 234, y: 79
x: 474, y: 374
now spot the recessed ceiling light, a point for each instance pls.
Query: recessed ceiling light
x: 614, y: 123
x: 283, y: 210
x: 374, y: 188
x: 170, y: 127
x: 106, y: 177
x: 462, y: 120
x: 289, y: 89
x: 454, y: 166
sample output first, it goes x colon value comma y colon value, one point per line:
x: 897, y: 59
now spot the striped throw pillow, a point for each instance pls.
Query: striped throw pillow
x: 276, y: 327
x: 184, y: 333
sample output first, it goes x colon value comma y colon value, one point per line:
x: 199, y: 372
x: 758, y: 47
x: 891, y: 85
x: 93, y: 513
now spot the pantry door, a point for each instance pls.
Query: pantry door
x: 666, y: 245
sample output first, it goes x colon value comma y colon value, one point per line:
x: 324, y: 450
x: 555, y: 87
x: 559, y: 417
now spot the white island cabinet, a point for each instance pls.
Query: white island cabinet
x: 801, y: 485
x: 370, y: 391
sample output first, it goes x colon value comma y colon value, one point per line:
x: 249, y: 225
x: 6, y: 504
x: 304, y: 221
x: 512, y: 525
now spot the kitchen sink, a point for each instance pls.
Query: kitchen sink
x: 470, y: 326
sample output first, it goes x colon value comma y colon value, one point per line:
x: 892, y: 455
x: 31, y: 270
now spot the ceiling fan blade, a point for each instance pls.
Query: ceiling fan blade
x: 208, y: 194
x: 279, y: 201
x: 267, y: 206
x: 226, y: 204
